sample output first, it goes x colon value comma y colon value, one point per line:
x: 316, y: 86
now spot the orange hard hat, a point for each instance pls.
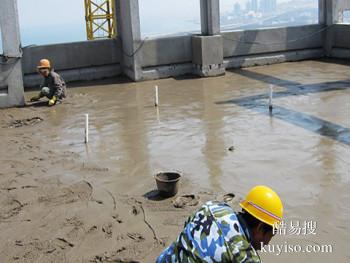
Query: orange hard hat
x: 44, y: 63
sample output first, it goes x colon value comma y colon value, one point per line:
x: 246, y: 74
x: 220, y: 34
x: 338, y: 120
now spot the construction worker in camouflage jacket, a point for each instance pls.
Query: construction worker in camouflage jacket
x: 53, y: 87
x: 215, y: 233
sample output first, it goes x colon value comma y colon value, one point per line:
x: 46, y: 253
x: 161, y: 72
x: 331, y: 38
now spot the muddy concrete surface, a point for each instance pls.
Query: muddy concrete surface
x: 64, y: 201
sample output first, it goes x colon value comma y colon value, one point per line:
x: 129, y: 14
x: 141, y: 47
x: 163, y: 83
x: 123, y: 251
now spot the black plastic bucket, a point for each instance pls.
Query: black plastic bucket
x: 168, y: 183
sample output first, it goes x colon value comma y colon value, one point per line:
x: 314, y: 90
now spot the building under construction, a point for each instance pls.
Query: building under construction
x: 218, y: 112
x: 208, y: 54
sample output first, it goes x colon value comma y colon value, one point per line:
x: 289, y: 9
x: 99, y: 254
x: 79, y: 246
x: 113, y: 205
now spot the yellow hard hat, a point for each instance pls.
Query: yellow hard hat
x: 44, y: 63
x: 264, y: 204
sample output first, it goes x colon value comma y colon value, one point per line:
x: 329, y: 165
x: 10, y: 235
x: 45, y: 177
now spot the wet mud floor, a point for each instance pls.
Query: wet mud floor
x: 63, y: 201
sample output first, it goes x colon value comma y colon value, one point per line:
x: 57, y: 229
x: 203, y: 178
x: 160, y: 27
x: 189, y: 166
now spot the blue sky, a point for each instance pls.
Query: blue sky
x: 57, y: 21
x: 54, y: 21
x: 51, y: 21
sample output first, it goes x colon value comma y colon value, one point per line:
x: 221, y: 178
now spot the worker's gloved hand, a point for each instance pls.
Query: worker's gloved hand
x: 53, y: 101
x: 35, y: 98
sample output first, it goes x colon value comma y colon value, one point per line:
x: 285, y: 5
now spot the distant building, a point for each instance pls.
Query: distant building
x: 248, y: 6
x: 263, y: 6
x: 268, y: 6
x: 252, y: 5
x: 273, y: 5
x: 237, y: 9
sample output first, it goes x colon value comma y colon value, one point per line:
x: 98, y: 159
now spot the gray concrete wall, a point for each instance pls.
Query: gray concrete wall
x: 166, y: 51
x: 250, y: 42
x: 172, y: 56
x: 341, y: 41
x: 173, y: 50
x: 75, y: 61
x: 341, y: 36
x: 272, y: 58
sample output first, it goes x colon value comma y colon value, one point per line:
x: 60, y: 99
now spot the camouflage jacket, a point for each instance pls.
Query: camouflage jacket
x: 56, y: 84
x: 213, y: 234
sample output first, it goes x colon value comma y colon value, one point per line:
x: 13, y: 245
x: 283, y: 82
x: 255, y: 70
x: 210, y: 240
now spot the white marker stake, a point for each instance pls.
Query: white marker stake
x: 86, y: 128
x: 157, y: 97
x: 158, y: 115
x: 270, y: 98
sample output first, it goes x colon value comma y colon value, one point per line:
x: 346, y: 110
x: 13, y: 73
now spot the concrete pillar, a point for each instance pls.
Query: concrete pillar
x: 128, y: 20
x: 322, y: 12
x: 207, y: 49
x: 210, y: 17
x: 331, y: 13
x: 11, y: 80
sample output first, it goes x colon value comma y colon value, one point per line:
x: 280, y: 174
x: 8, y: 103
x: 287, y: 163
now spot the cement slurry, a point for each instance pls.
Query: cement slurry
x: 197, y: 121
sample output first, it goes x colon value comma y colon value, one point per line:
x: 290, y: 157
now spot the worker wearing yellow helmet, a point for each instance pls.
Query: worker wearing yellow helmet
x: 215, y: 233
x: 53, y: 87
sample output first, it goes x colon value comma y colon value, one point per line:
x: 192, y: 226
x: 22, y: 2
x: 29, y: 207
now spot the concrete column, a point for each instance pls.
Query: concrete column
x: 207, y: 56
x: 210, y: 17
x: 332, y: 14
x: 11, y: 80
x: 322, y: 12
x: 333, y: 11
x: 207, y: 49
x: 129, y: 32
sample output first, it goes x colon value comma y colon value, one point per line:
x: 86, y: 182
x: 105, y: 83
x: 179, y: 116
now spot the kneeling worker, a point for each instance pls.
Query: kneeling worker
x: 53, y: 87
x: 215, y: 233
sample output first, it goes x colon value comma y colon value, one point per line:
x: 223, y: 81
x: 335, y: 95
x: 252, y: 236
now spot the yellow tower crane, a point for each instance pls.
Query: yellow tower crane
x: 100, y: 19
